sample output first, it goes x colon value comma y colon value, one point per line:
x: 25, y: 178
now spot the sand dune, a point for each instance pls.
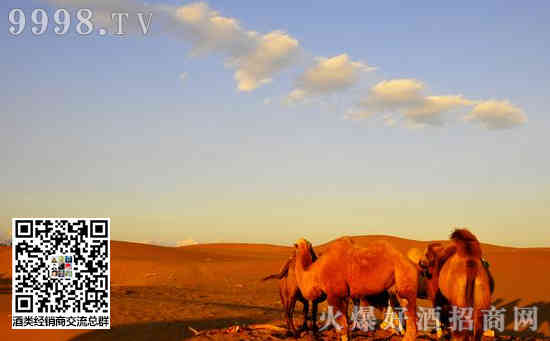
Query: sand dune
x: 157, y: 292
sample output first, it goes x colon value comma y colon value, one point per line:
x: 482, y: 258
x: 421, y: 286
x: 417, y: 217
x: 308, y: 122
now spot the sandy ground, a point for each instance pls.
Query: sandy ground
x: 158, y: 292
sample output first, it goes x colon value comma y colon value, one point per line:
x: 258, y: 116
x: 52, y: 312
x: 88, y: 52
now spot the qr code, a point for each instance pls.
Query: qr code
x: 61, y: 273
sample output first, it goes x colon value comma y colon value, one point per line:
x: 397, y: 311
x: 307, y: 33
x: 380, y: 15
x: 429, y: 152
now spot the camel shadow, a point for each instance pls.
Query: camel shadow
x: 161, y: 331
x: 543, y: 315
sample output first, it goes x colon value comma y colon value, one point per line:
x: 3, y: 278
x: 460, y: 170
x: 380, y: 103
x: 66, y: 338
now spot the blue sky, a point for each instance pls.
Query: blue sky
x: 106, y: 126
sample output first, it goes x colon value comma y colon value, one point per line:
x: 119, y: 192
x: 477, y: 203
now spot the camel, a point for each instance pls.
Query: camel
x: 349, y: 271
x: 431, y: 261
x: 290, y: 293
x: 426, y: 290
x: 461, y: 279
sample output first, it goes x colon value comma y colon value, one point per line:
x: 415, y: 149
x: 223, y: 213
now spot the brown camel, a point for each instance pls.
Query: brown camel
x: 460, y: 279
x: 426, y: 289
x: 349, y: 271
x: 290, y: 293
x: 431, y: 261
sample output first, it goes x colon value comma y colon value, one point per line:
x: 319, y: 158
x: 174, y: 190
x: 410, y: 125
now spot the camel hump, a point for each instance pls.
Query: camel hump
x: 345, y: 240
x: 342, y: 243
x: 466, y: 243
x: 463, y: 235
x: 348, y: 239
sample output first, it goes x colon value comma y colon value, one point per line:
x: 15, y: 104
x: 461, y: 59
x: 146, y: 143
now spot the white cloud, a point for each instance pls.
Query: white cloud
x: 274, y: 51
x: 208, y: 31
x: 494, y: 114
x: 396, y: 92
x: 256, y: 57
x: 328, y: 75
x: 183, y: 75
x: 432, y: 105
x: 406, y: 97
x: 432, y: 108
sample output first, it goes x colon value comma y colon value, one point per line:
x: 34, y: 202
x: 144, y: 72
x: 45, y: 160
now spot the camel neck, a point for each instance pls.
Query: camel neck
x: 303, y: 261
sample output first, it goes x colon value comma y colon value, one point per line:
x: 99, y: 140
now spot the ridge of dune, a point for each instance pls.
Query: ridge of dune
x: 357, y: 238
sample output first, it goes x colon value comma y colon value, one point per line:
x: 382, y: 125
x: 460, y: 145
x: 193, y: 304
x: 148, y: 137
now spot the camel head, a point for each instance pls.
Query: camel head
x: 428, y: 262
x: 303, y: 244
x: 304, y: 247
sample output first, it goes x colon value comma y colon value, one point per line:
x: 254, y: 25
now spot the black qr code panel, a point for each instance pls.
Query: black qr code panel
x: 61, y: 273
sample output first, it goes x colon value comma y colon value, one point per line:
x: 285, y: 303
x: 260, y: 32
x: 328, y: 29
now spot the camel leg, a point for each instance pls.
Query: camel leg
x: 390, y: 315
x: 290, y: 313
x: 306, y: 312
x: 314, y: 317
x: 438, y: 330
x: 397, y: 303
x: 387, y: 313
x: 410, y: 331
x: 443, y: 323
x: 284, y: 301
x: 478, y: 325
x: 341, y: 305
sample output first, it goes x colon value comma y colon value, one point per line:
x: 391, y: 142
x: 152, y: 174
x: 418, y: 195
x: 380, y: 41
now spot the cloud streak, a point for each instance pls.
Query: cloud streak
x: 494, y: 115
x: 406, y: 97
x: 328, y: 75
x: 256, y: 59
x: 273, y: 52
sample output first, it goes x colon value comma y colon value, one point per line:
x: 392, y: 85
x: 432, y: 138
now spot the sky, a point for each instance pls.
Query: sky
x: 264, y: 122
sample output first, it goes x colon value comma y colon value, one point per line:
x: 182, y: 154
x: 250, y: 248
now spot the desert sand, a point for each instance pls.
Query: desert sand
x: 159, y: 292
